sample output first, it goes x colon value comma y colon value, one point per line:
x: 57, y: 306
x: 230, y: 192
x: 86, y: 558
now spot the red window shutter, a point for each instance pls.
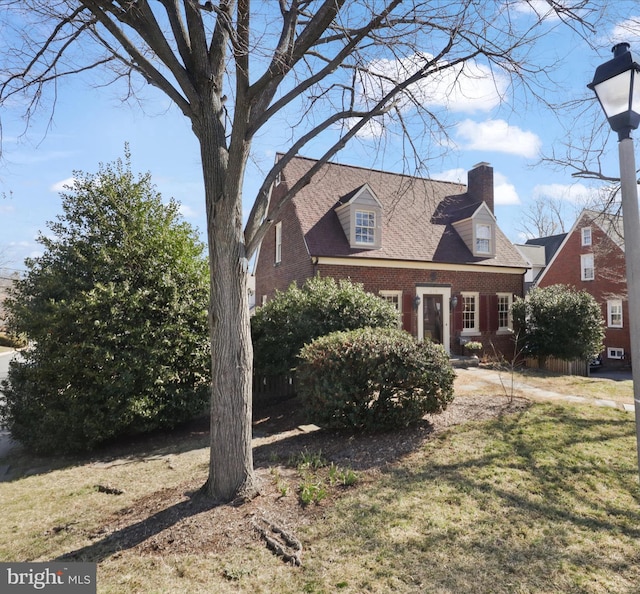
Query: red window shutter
x: 488, y: 313
x: 407, y: 311
x: 457, y: 315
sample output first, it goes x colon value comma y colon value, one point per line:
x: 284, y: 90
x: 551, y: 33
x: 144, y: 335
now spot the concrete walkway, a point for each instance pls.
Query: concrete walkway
x: 470, y: 377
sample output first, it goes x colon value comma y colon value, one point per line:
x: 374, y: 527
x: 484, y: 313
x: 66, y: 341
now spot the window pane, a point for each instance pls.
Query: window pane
x: 365, y: 226
x: 469, y: 313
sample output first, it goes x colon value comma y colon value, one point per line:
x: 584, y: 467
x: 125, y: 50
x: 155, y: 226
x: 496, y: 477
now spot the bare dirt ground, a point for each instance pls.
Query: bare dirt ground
x: 178, y: 518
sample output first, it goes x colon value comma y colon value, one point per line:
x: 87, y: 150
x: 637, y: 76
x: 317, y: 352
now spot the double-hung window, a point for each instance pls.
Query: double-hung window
x: 587, y: 270
x: 504, y: 312
x: 395, y: 298
x: 483, y: 239
x: 470, y: 313
x: 614, y: 313
x: 278, y: 257
x: 586, y: 236
x: 365, y: 227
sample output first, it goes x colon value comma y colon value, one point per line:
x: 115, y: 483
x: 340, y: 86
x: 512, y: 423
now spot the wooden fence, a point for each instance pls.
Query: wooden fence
x: 575, y: 367
x: 272, y: 388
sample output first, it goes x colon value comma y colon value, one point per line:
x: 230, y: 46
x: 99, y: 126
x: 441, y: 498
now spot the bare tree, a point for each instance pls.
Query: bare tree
x: 233, y: 67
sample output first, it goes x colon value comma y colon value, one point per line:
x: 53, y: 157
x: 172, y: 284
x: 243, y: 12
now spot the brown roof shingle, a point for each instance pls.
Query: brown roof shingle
x: 417, y: 215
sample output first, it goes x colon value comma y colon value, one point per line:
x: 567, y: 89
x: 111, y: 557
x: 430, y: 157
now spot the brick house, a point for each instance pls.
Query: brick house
x: 591, y: 257
x: 432, y: 248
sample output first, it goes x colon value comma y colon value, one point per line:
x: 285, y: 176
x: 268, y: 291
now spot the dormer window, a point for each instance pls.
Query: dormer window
x: 365, y: 227
x: 478, y: 232
x: 483, y: 239
x: 360, y: 215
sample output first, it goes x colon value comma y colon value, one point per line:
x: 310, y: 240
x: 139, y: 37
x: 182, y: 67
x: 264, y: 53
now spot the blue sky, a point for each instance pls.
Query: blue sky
x: 91, y: 126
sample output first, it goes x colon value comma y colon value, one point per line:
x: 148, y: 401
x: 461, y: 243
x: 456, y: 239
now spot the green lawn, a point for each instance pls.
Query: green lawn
x: 542, y: 501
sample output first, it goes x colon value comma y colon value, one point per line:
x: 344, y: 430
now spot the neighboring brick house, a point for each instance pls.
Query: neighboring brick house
x: 591, y: 257
x: 432, y: 248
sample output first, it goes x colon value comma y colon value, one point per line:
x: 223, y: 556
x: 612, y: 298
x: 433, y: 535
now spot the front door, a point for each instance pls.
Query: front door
x: 434, y: 315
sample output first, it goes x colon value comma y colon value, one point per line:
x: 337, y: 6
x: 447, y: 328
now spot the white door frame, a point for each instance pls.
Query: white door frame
x: 446, y: 314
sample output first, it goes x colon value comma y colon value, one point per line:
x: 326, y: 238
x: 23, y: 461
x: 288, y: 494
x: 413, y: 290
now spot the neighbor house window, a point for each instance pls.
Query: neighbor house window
x: 586, y: 236
x: 470, y: 321
x: 615, y: 353
x: 587, y: 271
x: 278, y: 242
x: 365, y: 226
x: 614, y: 313
x: 483, y: 239
x: 395, y: 298
x: 504, y: 311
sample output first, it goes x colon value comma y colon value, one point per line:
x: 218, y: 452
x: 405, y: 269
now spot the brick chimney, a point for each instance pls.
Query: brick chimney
x: 480, y: 184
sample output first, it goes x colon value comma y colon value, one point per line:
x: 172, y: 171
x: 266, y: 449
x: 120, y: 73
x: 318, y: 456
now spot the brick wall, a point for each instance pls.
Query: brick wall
x: 609, y: 281
x: 295, y: 263
x: 376, y: 279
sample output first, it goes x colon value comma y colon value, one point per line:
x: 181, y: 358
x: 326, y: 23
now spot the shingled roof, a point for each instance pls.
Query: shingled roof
x: 417, y: 216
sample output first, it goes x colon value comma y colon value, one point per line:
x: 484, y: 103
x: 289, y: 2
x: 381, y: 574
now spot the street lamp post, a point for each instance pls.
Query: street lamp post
x: 616, y: 83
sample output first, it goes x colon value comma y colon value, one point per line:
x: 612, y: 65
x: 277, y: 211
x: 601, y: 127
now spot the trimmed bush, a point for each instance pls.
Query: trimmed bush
x: 373, y: 379
x: 294, y: 318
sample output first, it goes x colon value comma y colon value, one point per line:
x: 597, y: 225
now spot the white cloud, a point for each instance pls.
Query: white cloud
x: 540, y: 9
x: 63, y: 185
x: 468, y: 87
x: 628, y: 30
x: 371, y: 130
x: 7, y: 208
x: 498, y: 135
x: 573, y: 193
x: 188, y: 212
x: 458, y: 176
x: 505, y: 193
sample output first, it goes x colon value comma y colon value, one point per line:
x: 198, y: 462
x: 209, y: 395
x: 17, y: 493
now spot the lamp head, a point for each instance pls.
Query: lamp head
x: 616, y: 84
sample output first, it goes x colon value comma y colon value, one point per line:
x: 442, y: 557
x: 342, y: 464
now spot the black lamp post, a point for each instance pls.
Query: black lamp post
x: 617, y: 85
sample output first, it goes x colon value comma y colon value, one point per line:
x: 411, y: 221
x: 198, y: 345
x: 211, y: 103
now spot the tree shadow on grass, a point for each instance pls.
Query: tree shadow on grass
x: 139, y: 532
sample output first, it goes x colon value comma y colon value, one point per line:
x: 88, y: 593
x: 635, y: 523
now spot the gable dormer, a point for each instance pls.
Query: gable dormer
x: 479, y: 232
x: 360, y: 215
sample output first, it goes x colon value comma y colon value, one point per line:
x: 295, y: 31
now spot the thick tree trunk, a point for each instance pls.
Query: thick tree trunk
x: 231, y: 473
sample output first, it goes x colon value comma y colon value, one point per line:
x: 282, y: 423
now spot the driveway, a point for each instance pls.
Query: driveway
x: 6, y: 443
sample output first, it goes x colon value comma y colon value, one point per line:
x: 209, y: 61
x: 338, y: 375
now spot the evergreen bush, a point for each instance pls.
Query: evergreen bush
x: 297, y: 316
x: 116, y: 313
x: 373, y: 379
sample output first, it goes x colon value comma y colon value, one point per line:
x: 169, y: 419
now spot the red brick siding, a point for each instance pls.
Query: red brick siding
x: 609, y: 281
x: 487, y: 284
x: 295, y: 262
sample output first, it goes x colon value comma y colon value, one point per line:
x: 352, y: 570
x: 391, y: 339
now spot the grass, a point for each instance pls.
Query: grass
x: 543, y: 501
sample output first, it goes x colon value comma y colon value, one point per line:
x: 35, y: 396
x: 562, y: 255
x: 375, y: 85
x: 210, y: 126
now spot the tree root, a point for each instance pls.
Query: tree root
x: 280, y: 542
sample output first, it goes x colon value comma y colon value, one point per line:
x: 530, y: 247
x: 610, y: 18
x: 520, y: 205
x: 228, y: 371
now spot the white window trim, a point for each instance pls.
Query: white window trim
x: 509, y: 327
x: 584, y: 258
x: 586, y: 236
x: 489, y: 239
x: 615, y: 353
x: 475, y: 331
x: 278, y: 254
x: 398, y: 296
x: 372, y: 227
x: 610, y: 305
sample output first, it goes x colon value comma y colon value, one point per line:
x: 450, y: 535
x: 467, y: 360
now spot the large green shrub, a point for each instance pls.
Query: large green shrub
x: 558, y: 321
x: 297, y: 316
x: 116, y: 312
x: 373, y: 378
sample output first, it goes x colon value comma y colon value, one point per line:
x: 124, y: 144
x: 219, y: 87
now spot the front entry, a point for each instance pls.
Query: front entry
x: 433, y: 315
